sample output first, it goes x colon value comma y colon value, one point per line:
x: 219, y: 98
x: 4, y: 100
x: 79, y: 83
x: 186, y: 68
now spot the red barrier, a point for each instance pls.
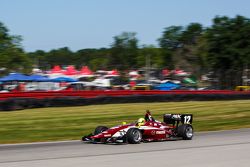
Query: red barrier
x: 96, y: 93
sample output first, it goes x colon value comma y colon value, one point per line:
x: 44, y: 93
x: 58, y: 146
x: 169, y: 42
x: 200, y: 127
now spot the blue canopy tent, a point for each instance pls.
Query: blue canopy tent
x: 167, y: 86
x: 63, y: 79
x: 22, y: 77
x: 15, y: 77
x: 39, y: 78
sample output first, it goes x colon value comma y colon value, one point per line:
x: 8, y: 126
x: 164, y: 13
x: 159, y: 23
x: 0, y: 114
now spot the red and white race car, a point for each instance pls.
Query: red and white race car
x: 174, y: 126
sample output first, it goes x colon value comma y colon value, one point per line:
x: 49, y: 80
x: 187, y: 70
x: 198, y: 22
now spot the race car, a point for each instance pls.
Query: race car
x: 174, y: 126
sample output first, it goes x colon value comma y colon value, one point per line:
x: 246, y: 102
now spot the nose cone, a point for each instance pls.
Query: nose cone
x: 101, y: 135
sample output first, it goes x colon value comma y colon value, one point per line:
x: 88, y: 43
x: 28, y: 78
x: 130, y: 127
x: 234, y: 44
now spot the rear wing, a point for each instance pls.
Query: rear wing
x: 176, y: 118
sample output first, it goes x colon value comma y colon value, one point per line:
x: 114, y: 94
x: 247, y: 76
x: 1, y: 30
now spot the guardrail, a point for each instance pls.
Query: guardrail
x: 23, y: 100
x: 98, y: 93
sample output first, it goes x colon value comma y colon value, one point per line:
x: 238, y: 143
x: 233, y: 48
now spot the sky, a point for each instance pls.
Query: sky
x: 81, y: 24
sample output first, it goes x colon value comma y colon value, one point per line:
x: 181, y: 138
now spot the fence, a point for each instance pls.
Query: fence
x: 22, y: 100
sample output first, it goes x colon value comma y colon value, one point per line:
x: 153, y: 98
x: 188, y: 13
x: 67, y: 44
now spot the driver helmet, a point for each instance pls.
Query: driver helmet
x: 141, y: 122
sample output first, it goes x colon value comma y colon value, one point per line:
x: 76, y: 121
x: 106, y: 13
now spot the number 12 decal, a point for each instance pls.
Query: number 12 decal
x: 187, y: 119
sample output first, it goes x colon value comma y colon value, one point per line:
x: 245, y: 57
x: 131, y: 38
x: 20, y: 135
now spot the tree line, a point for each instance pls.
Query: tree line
x: 221, y: 50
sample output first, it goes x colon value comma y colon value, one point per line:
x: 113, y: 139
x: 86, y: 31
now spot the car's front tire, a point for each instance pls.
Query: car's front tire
x: 134, y: 136
x: 100, y: 129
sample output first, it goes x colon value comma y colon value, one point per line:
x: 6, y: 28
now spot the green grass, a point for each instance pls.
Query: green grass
x: 66, y: 123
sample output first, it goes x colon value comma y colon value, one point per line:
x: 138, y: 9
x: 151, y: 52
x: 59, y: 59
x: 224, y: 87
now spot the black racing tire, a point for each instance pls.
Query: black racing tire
x: 185, y: 131
x: 100, y: 129
x: 134, y: 136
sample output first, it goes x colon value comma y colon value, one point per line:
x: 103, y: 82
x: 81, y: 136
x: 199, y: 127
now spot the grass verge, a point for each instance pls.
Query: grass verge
x: 66, y: 123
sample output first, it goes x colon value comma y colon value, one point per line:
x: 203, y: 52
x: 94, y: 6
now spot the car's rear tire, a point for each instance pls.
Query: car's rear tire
x: 134, y: 136
x: 185, y: 131
x: 100, y: 129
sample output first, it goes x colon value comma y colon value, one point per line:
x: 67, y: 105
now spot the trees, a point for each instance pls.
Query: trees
x: 94, y: 58
x: 171, y: 37
x: 12, y: 56
x: 227, y: 50
x: 61, y: 56
x: 124, y: 51
x: 228, y: 42
x: 178, y: 44
x: 222, y: 48
x: 186, y: 57
x: 156, y: 56
x: 39, y: 60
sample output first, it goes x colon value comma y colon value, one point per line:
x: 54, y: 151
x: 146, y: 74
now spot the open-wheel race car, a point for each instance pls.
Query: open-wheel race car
x: 173, y: 127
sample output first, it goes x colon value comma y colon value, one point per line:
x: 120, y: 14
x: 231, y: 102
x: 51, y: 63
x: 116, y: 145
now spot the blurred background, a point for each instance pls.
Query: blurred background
x: 110, y: 45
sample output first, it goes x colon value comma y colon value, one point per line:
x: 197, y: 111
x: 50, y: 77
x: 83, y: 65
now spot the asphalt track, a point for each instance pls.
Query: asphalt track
x: 213, y: 149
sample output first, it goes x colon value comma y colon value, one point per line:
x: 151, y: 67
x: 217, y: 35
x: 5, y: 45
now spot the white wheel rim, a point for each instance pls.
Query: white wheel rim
x: 137, y: 136
x: 189, y: 132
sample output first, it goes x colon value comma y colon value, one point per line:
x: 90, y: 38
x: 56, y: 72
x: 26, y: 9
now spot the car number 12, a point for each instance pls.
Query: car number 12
x: 187, y: 119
